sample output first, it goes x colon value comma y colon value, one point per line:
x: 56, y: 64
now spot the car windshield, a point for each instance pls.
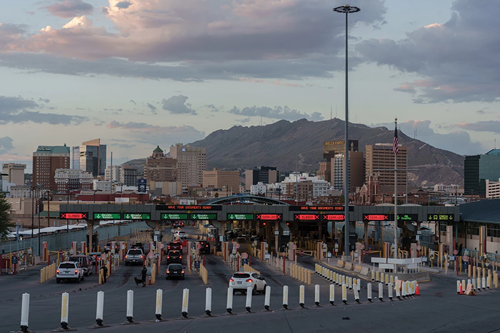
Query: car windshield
x: 175, y: 267
x: 67, y: 265
x: 134, y: 252
x: 76, y: 258
x: 241, y: 276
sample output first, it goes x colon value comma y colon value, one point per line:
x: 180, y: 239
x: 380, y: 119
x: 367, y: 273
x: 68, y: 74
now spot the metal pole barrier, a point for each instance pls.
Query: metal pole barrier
x: 159, y: 304
x: 130, y: 306
x: 229, y: 303
x: 301, y: 296
x: 99, y: 316
x: 389, y: 290
x: 64, y: 311
x: 316, y: 295
x: 369, y: 292
x: 208, y: 302
x: 267, y: 299
x: 381, y: 292
x: 185, y: 302
x: 285, y: 297
x: 248, y: 305
x: 25, y: 312
x: 332, y: 294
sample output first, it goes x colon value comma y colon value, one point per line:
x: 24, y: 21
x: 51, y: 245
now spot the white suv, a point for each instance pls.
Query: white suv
x: 240, y: 281
x: 69, y: 270
x: 181, y: 234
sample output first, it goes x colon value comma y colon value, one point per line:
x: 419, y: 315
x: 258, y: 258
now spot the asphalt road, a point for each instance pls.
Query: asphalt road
x: 438, y: 309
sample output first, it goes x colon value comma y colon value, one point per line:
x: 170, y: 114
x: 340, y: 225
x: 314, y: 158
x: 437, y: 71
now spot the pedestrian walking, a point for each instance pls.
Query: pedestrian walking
x: 143, y: 275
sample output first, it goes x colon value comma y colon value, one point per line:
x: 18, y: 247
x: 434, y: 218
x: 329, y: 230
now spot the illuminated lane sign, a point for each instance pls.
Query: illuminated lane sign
x: 375, y: 217
x: 306, y: 217
x: 203, y: 216
x: 240, y: 217
x: 107, y: 216
x: 174, y: 216
x: 440, y: 217
x: 187, y: 207
x: 316, y: 208
x: 269, y: 217
x: 73, y: 216
x: 333, y: 217
x: 407, y: 217
x: 138, y: 216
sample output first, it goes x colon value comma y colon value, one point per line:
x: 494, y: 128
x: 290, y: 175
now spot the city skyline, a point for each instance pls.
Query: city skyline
x: 139, y: 74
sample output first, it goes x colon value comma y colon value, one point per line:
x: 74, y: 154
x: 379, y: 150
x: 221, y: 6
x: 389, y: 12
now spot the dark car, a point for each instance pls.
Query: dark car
x: 138, y: 246
x: 174, y: 271
x: 205, y: 247
x: 174, y: 246
x: 84, y: 261
x: 174, y: 256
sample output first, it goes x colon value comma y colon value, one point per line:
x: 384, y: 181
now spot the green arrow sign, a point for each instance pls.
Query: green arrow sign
x: 107, y: 216
x: 203, y: 216
x: 174, y: 216
x: 240, y: 216
x: 139, y: 216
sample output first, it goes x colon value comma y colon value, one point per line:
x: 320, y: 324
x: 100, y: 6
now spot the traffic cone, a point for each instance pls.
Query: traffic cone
x: 461, y: 289
x: 417, y: 291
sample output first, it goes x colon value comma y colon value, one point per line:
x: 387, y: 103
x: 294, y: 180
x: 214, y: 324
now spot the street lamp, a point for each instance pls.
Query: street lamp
x: 94, y: 193
x: 346, y: 9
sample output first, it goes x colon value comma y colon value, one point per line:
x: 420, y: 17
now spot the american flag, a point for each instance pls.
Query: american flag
x: 395, y: 143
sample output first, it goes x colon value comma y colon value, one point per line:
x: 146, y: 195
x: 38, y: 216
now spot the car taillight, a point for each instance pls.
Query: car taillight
x: 168, y: 272
x: 57, y: 271
x: 126, y: 257
x: 141, y: 256
x: 169, y: 247
x: 76, y: 271
x: 168, y: 257
x: 249, y: 280
x: 182, y: 272
x: 180, y: 257
x: 231, y: 280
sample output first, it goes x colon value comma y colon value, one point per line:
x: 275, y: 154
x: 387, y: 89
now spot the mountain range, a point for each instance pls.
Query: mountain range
x: 298, y: 146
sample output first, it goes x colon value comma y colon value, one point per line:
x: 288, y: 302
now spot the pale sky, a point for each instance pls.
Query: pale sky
x: 141, y: 73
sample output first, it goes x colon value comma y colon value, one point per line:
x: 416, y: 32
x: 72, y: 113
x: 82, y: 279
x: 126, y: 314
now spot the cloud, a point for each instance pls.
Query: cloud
x: 278, y: 112
x: 243, y: 121
x: 178, y: 105
x: 152, y: 108
x: 13, y: 110
x: 69, y: 8
x: 226, y: 39
x: 46, y: 100
x: 5, y: 144
x: 132, y: 101
x: 458, y: 142
x: 123, y: 145
x: 492, y: 126
x: 455, y: 58
x: 155, y: 134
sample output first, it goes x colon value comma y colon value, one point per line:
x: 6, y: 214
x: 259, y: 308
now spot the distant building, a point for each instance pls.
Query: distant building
x: 478, y: 169
x: 14, y: 172
x: 191, y: 162
x: 128, y: 175
x: 492, y: 189
x: 102, y: 186
x: 227, y: 181
x: 93, y: 157
x: 264, y: 174
x: 332, y: 148
x: 304, y: 187
x: 356, y: 171
x: 160, y: 168
x: 115, y: 171
x: 379, y: 158
x: 20, y: 192
x: 71, y: 179
x: 325, y: 170
x: 75, y: 157
x: 46, y: 160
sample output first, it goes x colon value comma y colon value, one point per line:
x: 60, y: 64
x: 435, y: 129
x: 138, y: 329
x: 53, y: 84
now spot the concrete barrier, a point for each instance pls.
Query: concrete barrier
x: 203, y: 274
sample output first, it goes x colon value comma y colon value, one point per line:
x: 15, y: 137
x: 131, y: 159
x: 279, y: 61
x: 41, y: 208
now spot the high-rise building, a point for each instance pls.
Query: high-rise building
x: 128, y: 175
x: 478, y: 169
x: 264, y: 174
x: 191, y: 162
x: 72, y: 179
x: 75, y: 157
x: 332, y: 148
x: 14, y: 172
x: 115, y: 171
x: 325, y: 170
x: 227, y: 181
x: 356, y: 171
x: 46, y: 160
x: 380, y: 160
x: 160, y: 168
x: 93, y: 157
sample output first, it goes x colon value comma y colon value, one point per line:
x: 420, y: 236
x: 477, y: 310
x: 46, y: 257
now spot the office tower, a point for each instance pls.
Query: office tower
x: 71, y: 179
x: 75, y: 157
x: 478, y: 169
x: 356, y: 171
x: 380, y: 160
x: 128, y: 175
x: 14, y: 173
x: 264, y: 174
x: 227, y: 181
x: 160, y: 168
x: 93, y: 157
x: 191, y: 162
x: 332, y: 148
x: 114, y: 170
x: 46, y: 160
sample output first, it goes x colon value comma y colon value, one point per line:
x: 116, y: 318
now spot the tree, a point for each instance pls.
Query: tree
x: 5, y: 222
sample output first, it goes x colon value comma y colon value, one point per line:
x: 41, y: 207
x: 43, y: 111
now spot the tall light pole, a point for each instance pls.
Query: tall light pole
x: 346, y: 9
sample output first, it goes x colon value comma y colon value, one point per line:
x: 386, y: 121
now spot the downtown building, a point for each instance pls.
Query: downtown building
x: 90, y: 156
x: 226, y: 181
x: 379, y: 160
x: 480, y: 168
x: 14, y: 173
x: 46, y: 160
x: 191, y: 162
x: 68, y: 180
x: 264, y: 174
x: 356, y: 171
x: 331, y: 149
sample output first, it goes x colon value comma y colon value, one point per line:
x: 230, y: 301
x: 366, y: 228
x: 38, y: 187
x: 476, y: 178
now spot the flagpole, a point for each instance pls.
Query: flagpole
x: 395, y: 150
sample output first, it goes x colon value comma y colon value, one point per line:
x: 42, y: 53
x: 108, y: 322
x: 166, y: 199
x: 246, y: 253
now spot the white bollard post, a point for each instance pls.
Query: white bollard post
x: 185, y: 302
x: 369, y: 292
x: 301, y: 296
x: 316, y: 295
x: 463, y: 286
x: 130, y: 306
x: 373, y: 275
x: 267, y: 299
x: 403, y: 289
x: 356, y: 294
x: 350, y: 283
x: 459, y: 286
x: 285, y: 297
x: 229, y: 303
x: 159, y: 304
x: 381, y: 291
x: 248, y: 306
x: 99, y: 315
x: 332, y: 294
x: 344, y: 293
x: 382, y: 278
x: 389, y: 290
x: 488, y: 282
x: 478, y: 284
x: 483, y: 280
x: 474, y: 284
x: 398, y: 289
x: 65, y: 311
x: 25, y: 312
x: 208, y: 302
